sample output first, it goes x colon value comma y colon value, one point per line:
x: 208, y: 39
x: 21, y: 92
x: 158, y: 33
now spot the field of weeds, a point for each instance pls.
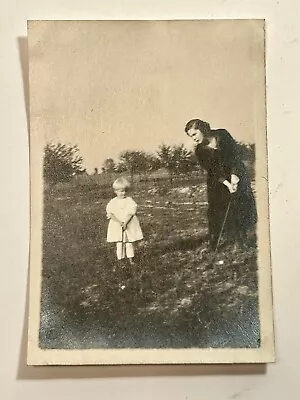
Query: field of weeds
x: 173, y: 297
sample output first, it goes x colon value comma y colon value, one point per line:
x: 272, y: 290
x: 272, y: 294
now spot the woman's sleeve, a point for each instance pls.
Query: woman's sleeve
x: 202, y: 157
x: 231, y: 154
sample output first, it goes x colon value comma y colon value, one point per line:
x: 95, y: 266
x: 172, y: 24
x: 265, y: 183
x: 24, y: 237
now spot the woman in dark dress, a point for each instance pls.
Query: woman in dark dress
x: 227, y: 182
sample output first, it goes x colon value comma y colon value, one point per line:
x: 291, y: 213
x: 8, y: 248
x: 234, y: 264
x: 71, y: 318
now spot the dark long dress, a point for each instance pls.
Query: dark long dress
x: 220, y: 163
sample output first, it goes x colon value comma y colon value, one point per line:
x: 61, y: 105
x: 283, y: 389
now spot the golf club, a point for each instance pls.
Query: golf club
x: 221, y: 232
x: 123, y: 242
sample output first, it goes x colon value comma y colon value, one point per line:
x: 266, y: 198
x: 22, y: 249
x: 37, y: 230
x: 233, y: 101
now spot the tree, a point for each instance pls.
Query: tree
x: 121, y: 167
x: 181, y: 160
x: 153, y: 162
x: 134, y: 162
x: 247, y: 154
x: 165, y: 156
x: 176, y: 159
x: 109, y: 165
x: 61, y: 162
x: 247, y: 151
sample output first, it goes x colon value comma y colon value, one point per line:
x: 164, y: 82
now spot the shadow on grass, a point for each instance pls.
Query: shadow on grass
x: 181, y: 244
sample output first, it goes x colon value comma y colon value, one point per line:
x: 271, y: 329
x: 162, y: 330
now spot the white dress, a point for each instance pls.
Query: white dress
x: 121, y: 208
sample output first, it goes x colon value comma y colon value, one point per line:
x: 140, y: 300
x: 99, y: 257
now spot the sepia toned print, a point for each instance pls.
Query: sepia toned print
x: 149, y: 196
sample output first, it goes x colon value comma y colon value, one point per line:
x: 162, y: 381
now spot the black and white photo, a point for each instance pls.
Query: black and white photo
x: 149, y: 193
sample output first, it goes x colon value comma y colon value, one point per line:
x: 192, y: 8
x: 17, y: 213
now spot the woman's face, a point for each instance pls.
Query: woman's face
x: 196, y: 135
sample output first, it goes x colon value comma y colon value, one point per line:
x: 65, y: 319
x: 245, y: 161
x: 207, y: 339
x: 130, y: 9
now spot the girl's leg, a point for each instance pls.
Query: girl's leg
x: 129, y: 250
x: 120, y: 256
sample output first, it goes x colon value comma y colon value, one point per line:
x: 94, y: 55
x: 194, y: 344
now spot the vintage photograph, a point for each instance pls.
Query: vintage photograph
x: 149, y: 193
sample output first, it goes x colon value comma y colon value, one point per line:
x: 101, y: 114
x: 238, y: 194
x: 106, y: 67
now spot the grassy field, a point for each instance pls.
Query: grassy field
x: 172, y: 297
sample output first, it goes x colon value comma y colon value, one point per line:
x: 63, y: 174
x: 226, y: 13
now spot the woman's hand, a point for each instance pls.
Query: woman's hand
x: 234, y: 179
x: 234, y: 182
x: 231, y: 187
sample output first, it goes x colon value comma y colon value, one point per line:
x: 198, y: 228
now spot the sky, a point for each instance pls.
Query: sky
x: 133, y: 85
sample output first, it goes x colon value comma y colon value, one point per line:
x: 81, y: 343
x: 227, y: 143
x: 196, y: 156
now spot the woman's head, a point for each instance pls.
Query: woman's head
x: 121, y: 186
x: 197, y: 130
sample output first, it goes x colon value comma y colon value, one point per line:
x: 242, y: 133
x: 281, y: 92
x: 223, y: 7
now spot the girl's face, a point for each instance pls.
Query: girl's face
x: 121, y: 193
x: 196, y: 135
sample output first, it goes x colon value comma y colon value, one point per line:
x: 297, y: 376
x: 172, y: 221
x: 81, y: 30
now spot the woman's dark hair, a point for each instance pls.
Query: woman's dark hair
x: 203, y: 126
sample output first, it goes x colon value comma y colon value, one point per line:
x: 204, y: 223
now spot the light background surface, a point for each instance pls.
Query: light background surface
x: 283, y: 65
x: 133, y: 85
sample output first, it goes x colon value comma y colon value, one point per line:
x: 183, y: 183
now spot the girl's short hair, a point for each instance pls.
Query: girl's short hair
x: 121, y: 183
x: 203, y: 126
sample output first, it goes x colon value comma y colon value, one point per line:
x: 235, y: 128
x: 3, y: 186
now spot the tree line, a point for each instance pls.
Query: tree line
x: 175, y: 159
x: 62, y: 162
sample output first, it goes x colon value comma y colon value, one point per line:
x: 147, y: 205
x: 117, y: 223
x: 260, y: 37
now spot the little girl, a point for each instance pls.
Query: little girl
x: 124, y: 227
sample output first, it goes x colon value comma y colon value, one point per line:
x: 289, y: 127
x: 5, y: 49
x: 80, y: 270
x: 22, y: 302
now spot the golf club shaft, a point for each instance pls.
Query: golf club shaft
x: 123, y: 242
x: 223, y: 224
